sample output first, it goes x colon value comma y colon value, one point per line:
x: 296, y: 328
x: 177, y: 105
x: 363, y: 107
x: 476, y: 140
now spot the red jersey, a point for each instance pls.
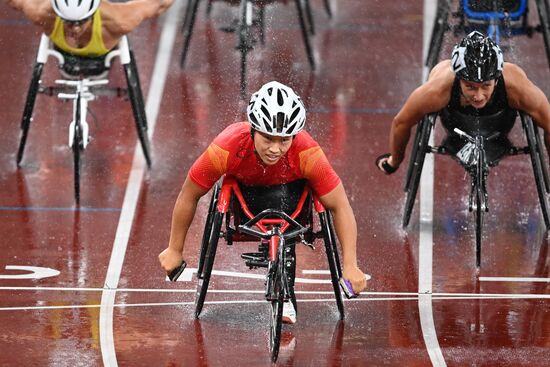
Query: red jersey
x: 232, y: 153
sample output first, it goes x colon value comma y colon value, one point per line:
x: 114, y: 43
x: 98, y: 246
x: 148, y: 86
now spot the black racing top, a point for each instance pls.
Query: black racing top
x: 496, y: 116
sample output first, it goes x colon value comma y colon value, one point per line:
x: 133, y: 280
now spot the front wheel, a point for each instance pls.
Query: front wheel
x: 77, y: 145
x: 277, y: 300
x: 479, y: 224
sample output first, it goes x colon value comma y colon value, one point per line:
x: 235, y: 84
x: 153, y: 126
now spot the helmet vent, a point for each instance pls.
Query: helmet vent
x: 280, y: 98
x: 280, y: 122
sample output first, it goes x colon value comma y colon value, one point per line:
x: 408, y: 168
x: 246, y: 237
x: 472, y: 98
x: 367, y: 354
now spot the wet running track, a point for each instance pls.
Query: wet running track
x: 81, y: 286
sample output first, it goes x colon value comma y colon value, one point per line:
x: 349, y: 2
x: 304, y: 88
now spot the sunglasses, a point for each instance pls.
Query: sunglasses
x: 76, y: 23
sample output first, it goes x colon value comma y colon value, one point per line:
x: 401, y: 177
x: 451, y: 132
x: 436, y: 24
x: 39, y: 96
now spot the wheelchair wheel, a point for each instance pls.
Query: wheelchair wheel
x: 188, y: 23
x: 76, y: 147
x: 537, y: 164
x: 246, y: 41
x: 208, y: 228
x: 438, y: 31
x: 417, y: 163
x: 544, y: 16
x: 277, y: 296
x: 305, y: 34
x: 414, y: 151
x: 202, y: 285
x: 332, y: 257
x: 29, y: 107
x: 134, y: 93
x: 540, y: 153
x: 480, y: 209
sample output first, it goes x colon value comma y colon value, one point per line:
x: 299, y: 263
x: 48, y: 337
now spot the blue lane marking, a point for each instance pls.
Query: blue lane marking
x: 53, y: 209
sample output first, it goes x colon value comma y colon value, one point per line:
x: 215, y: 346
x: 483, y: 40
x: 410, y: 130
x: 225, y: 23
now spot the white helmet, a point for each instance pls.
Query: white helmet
x: 75, y: 10
x: 276, y: 110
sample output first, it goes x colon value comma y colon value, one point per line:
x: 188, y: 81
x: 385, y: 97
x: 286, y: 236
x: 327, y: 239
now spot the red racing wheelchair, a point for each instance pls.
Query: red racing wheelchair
x: 278, y: 232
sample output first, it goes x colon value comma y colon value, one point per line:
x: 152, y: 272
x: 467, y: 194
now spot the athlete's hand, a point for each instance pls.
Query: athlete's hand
x: 170, y: 259
x: 385, y: 164
x: 356, y: 277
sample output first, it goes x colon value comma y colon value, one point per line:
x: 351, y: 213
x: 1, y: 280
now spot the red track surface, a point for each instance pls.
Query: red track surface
x: 369, y: 59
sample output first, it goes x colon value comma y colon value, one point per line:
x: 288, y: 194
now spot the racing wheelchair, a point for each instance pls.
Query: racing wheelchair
x: 500, y: 18
x: 251, y: 22
x: 84, y: 80
x: 473, y: 157
x: 278, y: 231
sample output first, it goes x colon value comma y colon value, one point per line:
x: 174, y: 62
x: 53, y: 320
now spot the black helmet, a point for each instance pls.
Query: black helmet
x: 477, y: 58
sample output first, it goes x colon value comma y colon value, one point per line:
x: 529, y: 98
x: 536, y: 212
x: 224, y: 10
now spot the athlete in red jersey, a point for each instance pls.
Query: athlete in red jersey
x: 271, y: 149
x: 233, y: 153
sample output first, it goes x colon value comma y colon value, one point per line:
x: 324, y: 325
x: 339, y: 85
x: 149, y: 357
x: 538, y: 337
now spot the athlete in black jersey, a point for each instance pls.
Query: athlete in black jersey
x: 475, y: 91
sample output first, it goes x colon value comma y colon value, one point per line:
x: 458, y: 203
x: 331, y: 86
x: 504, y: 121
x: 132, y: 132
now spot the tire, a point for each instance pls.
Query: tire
x: 332, y: 258
x: 438, y: 32
x: 478, y: 214
x: 417, y: 162
x: 202, y: 284
x: 76, y: 148
x: 29, y: 107
x: 544, y: 15
x: 277, y: 300
x: 134, y: 93
x: 208, y: 228
x: 537, y: 165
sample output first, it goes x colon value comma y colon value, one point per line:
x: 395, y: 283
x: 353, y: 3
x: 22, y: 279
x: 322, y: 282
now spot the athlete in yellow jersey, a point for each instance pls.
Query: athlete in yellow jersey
x: 88, y: 28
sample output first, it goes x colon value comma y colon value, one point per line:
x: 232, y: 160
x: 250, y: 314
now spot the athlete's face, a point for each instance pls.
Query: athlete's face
x: 75, y: 29
x: 271, y: 148
x: 477, y: 94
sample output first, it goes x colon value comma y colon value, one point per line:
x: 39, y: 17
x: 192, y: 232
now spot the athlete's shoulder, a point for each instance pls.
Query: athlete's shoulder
x: 233, y: 135
x: 303, y: 140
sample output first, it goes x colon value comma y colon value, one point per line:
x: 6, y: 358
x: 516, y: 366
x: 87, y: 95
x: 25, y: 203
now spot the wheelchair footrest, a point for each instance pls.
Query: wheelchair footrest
x: 255, y: 259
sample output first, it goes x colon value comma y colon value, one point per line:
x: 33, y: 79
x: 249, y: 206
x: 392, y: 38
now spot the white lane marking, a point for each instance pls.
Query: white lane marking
x: 363, y: 295
x: 425, y: 250
x: 318, y: 272
x: 34, y: 272
x: 310, y: 300
x: 513, y: 279
x: 187, y: 276
x: 131, y: 196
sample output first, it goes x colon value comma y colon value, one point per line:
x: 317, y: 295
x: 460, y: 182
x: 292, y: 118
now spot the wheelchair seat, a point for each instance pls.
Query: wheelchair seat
x: 79, y: 66
x: 283, y: 197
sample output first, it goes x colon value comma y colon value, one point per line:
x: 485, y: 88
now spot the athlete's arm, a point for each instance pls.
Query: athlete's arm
x: 122, y: 18
x: 182, y: 216
x: 430, y: 97
x: 525, y: 96
x: 40, y: 12
x: 346, y: 230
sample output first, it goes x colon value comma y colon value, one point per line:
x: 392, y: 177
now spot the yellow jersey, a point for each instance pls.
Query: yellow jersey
x: 94, y: 48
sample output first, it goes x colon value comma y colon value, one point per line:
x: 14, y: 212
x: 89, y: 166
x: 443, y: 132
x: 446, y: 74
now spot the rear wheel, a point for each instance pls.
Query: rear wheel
x: 332, y: 258
x: 544, y: 15
x: 208, y: 228
x: 417, y: 163
x: 210, y: 254
x: 538, y: 164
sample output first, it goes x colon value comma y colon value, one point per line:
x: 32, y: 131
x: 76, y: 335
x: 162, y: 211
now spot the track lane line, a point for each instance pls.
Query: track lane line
x: 131, y: 196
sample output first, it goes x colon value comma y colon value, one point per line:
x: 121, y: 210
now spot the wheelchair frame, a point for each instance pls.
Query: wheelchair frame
x: 270, y: 229
x: 478, y: 193
x: 82, y: 89
x: 510, y: 23
x: 245, y: 30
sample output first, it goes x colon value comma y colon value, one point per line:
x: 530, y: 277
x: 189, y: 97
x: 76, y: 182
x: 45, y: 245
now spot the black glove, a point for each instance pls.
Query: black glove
x: 388, y: 168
